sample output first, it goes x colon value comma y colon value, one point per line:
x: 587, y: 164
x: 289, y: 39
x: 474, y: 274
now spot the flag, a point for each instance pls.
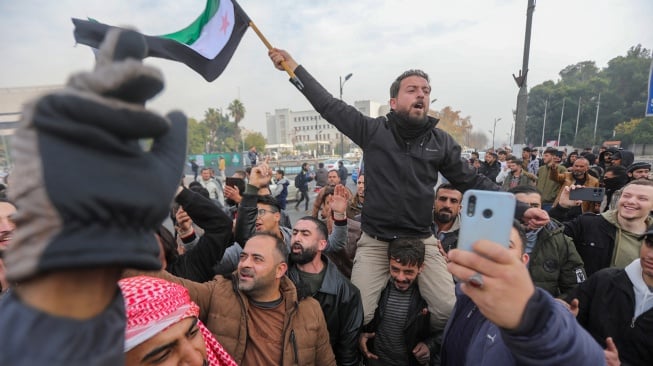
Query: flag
x: 206, y: 45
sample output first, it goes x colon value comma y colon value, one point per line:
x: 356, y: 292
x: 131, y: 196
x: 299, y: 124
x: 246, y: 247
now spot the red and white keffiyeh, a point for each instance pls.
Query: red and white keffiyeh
x: 153, y: 304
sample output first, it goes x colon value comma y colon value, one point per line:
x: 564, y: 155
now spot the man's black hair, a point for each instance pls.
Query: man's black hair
x: 269, y: 200
x: 408, y: 251
x: 321, y: 226
x: 279, y: 244
x: 448, y: 186
x: 394, y: 87
x: 524, y: 189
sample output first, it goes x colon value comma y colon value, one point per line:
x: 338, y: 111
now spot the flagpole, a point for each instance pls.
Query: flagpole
x: 291, y: 73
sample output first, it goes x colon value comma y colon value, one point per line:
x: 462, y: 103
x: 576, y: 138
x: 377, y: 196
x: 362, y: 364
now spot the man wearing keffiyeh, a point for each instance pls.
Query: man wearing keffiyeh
x: 162, y: 326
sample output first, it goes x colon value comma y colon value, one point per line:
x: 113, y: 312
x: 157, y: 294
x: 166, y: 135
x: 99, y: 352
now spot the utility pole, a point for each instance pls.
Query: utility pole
x: 562, y: 114
x: 546, y: 104
x: 596, y: 121
x: 521, y: 80
x: 342, y: 139
x: 577, y: 120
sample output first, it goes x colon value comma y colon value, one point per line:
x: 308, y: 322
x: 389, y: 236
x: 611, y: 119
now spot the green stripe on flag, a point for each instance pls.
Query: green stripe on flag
x: 191, y: 33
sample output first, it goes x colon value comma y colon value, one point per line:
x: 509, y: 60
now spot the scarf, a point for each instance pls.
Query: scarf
x: 154, y: 304
x: 408, y: 130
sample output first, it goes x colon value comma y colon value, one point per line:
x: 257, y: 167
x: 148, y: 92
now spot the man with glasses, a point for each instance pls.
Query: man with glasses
x: 261, y: 213
x: 616, y: 307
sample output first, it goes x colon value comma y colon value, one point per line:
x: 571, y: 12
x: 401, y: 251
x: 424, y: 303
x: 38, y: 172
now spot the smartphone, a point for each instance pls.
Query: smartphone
x: 236, y: 183
x: 594, y: 194
x: 486, y: 215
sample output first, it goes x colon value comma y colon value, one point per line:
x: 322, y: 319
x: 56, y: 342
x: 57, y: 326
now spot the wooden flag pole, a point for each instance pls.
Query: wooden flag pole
x: 293, y: 77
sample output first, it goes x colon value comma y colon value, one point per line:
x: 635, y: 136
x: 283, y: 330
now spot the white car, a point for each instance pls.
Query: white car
x: 333, y: 164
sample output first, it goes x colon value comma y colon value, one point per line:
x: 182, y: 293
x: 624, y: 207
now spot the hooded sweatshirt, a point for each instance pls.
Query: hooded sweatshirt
x: 627, y: 244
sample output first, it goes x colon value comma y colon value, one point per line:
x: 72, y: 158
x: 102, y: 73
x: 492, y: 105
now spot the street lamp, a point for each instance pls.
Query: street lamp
x: 494, y: 129
x: 342, y: 139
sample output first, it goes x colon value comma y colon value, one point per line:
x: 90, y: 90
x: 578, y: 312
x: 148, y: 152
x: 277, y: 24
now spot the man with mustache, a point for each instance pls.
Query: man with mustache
x: 313, y: 273
x: 577, y: 176
x: 399, y: 333
x: 446, y: 210
x: 404, y: 153
x: 256, y: 312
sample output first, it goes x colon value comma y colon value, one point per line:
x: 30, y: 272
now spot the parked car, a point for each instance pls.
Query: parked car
x: 333, y: 164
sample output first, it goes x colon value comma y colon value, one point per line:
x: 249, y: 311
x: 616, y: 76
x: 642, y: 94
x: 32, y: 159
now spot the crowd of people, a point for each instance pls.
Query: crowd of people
x: 135, y: 267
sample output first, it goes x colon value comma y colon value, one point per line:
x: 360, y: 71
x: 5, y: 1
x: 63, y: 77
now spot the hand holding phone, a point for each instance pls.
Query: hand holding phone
x: 594, y: 194
x: 486, y: 215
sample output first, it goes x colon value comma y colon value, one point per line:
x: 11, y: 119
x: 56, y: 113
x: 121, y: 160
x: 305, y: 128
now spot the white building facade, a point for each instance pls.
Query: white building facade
x: 309, y: 130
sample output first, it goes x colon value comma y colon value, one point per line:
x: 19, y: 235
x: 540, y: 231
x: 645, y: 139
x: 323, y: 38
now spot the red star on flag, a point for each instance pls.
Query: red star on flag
x: 225, y: 23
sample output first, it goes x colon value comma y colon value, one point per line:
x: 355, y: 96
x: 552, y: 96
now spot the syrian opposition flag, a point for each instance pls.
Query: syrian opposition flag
x: 206, y: 45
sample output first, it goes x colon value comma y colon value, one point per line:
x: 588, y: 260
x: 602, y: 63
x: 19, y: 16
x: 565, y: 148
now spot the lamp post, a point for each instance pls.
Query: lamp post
x: 494, y: 129
x: 342, y: 139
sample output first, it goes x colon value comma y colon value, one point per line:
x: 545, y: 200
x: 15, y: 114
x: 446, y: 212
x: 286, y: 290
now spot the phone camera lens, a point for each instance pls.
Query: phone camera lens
x: 471, y: 206
x: 487, y: 213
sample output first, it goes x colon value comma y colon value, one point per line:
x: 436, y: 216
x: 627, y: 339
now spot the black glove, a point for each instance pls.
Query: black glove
x: 87, y: 193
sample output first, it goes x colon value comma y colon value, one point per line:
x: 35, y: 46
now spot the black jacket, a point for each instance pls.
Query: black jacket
x: 490, y: 171
x: 341, y: 304
x: 197, y: 263
x: 417, y: 328
x: 593, y: 236
x: 400, y: 174
x: 606, y: 309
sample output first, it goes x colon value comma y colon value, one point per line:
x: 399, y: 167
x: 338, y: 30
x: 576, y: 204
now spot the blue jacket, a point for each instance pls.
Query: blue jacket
x: 548, y: 335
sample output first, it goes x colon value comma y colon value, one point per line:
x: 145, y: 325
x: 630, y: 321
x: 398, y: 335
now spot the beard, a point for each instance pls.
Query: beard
x: 417, y: 121
x: 306, y: 255
x: 444, y: 216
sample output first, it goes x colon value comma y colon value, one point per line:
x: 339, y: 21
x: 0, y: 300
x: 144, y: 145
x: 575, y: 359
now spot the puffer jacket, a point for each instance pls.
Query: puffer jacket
x: 341, y: 303
x: 555, y: 264
x: 224, y: 311
x: 408, y: 186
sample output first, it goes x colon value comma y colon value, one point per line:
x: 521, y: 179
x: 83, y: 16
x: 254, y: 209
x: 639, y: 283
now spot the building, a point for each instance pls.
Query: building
x: 307, y: 130
x: 12, y: 101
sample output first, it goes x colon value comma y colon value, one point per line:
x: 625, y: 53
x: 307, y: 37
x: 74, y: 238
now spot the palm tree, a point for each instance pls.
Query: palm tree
x: 237, y: 111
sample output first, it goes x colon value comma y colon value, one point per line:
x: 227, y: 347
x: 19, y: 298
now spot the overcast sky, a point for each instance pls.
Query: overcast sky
x: 470, y: 48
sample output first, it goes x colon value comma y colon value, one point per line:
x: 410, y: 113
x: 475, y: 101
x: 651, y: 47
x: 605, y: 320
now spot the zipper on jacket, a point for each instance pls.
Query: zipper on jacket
x: 471, y: 312
x: 294, y: 346
x: 632, y: 323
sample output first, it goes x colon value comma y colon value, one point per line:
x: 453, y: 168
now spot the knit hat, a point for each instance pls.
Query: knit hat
x: 153, y: 305
x: 638, y: 165
x: 82, y: 182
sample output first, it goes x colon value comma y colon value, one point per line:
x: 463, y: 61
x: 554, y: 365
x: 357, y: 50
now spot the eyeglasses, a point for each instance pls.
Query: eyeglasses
x: 262, y: 211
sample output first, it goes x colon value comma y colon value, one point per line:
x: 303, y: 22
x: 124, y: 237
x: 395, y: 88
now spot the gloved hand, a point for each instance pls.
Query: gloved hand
x: 88, y: 194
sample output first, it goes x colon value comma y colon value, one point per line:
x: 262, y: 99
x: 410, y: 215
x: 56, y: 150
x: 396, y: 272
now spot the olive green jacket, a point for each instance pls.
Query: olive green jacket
x: 554, y: 263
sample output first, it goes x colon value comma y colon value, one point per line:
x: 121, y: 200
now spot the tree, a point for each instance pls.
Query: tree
x: 237, y: 111
x: 622, y: 86
x: 255, y: 139
x: 197, y: 137
x: 457, y: 126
